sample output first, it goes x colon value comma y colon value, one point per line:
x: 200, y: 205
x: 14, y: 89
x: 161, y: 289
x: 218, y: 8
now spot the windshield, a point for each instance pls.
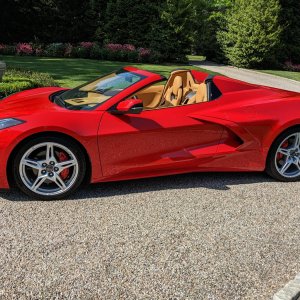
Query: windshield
x: 92, y: 94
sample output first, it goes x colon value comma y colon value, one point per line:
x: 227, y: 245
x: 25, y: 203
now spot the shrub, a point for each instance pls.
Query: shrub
x: 86, y: 45
x: 2, y: 48
x: 38, y: 49
x: 55, y: 50
x: 114, y: 47
x: 24, y: 49
x: 7, y: 49
x: 114, y: 52
x: 96, y: 52
x: 144, y: 54
x: 289, y: 66
x: 252, y: 33
x: 128, y: 47
x: 18, y: 80
x: 68, y: 50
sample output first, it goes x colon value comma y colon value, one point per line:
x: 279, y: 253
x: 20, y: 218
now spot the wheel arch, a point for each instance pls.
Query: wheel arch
x: 47, y: 134
x: 278, y: 135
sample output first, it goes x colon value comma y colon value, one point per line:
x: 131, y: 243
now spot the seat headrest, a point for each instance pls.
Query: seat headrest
x: 177, y: 84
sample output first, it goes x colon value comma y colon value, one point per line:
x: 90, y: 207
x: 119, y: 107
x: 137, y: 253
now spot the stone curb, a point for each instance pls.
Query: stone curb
x: 291, y: 291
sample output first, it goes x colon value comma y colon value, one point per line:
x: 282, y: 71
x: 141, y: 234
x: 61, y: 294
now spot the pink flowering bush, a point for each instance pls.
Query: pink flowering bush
x: 2, y: 48
x: 86, y: 45
x: 128, y: 47
x: 144, y: 52
x: 288, y: 65
x: 24, y: 49
x: 114, y: 47
x: 94, y: 50
x: 68, y: 50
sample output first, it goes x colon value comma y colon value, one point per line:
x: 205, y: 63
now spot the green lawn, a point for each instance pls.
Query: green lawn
x: 196, y: 57
x: 286, y: 74
x: 72, y: 72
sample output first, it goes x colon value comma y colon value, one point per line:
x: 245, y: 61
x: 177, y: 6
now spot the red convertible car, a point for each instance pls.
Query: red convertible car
x: 134, y: 124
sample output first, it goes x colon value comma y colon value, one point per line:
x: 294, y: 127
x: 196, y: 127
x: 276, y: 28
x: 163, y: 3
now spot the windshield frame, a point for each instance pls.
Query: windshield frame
x: 95, y: 107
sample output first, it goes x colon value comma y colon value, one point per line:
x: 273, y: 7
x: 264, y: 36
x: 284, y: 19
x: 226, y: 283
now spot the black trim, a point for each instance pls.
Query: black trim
x: 213, y: 92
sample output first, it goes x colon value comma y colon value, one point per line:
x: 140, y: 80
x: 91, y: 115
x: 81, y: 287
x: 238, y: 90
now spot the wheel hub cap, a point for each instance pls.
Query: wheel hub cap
x: 42, y: 170
x: 287, y: 159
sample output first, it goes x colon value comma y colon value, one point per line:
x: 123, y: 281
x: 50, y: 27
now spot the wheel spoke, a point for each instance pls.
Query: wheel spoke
x: 66, y: 164
x: 38, y: 182
x: 49, y: 152
x: 59, y: 182
x: 297, y: 140
x: 31, y: 163
x: 284, y: 151
x: 286, y: 166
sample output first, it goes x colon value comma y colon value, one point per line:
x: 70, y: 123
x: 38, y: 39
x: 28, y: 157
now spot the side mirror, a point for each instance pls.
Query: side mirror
x: 129, y: 106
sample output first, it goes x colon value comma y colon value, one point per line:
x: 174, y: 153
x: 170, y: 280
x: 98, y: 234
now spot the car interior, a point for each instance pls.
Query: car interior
x: 180, y: 89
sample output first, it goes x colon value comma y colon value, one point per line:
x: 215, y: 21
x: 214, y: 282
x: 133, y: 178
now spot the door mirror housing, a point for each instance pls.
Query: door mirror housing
x: 129, y: 106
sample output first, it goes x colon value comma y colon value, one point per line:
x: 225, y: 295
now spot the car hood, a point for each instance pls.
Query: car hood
x: 28, y: 102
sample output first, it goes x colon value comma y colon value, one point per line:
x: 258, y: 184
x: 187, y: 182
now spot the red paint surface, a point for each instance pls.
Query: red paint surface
x: 232, y: 133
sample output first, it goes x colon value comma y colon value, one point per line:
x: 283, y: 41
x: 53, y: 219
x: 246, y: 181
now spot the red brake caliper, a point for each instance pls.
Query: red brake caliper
x: 64, y: 173
x: 280, y: 155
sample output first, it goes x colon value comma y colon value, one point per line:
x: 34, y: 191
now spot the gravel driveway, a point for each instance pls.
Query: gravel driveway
x: 195, y: 236
x: 250, y: 76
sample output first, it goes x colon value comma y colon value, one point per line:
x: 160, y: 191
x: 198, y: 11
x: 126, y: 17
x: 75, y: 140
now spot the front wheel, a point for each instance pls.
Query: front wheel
x: 49, y: 167
x: 284, y: 158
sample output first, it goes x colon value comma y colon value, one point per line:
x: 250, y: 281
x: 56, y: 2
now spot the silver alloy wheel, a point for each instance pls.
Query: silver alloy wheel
x: 40, y: 169
x: 287, y: 158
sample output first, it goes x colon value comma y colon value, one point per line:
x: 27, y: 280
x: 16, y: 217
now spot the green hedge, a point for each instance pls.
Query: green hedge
x: 16, y: 80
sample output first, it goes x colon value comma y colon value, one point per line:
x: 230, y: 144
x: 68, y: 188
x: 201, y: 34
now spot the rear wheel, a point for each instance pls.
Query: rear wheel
x: 49, y: 168
x: 284, y: 157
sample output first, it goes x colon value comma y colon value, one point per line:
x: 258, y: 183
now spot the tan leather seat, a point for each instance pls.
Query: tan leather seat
x: 201, y: 94
x: 174, y: 93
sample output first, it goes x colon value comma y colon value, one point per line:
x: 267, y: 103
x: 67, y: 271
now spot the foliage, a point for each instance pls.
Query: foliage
x: 55, y: 50
x: 130, y: 21
x: 24, y: 49
x: 252, y: 33
x: 118, y: 52
x: 289, y: 66
x: 209, y: 19
x: 16, y: 80
x: 50, y: 20
x: 290, y: 39
x: 171, y: 36
x: 217, y: 29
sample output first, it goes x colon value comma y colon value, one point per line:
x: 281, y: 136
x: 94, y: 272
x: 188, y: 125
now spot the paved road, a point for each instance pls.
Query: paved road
x: 195, y: 236
x: 250, y: 76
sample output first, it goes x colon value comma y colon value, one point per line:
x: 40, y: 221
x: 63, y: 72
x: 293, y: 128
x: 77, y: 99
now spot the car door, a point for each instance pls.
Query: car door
x: 166, y: 140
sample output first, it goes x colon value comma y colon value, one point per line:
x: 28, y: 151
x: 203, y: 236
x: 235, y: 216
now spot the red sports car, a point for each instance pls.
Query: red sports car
x: 134, y: 124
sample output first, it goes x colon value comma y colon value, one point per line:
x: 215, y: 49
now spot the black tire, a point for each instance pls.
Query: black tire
x: 67, y: 143
x: 271, y: 168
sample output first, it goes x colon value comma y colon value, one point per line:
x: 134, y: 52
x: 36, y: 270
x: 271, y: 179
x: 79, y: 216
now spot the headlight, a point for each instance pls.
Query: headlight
x: 10, y: 122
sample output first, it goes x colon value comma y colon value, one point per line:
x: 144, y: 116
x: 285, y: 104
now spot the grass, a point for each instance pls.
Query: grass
x: 196, y: 57
x: 286, y: 74
x: 70, y: 72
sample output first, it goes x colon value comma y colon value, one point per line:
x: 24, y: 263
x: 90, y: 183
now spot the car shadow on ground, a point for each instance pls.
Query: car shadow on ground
x: 216, y: 181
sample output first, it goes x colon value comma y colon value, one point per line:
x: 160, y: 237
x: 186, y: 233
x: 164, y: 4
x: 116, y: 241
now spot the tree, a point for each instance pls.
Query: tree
x: 172, y: 35
x: 50, y: 20
x: 130, y: 21
x: 290, y: 20
x: 209, y: 19
x: 252, y: 34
